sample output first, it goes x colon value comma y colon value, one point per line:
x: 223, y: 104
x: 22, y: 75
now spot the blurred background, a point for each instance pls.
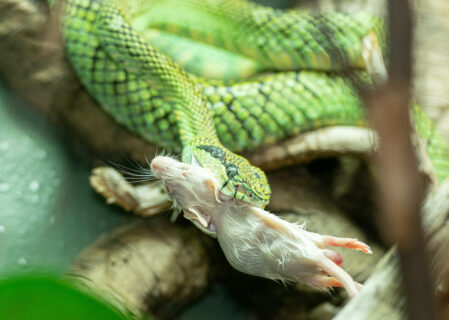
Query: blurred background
x: 49, y: 213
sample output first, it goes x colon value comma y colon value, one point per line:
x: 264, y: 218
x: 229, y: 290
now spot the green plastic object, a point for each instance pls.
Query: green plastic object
x: 43, y: 297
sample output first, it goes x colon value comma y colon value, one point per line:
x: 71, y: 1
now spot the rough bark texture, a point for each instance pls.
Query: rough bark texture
x: 382, y: 297
x: 431, y: 51
x: 148, y: 266
x: 436, y: 221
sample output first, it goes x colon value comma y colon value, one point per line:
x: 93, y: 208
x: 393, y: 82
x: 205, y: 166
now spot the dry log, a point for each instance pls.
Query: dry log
x: 382, y: 297
x: 149, y: 266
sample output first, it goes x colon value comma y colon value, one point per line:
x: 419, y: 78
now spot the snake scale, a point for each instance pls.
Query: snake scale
x: 308, y: 69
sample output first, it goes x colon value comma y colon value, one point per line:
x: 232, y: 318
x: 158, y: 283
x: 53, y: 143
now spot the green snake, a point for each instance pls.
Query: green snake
x: 302, y: 70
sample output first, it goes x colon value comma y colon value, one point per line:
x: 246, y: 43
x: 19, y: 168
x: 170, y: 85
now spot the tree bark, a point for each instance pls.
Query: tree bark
x: 383, y: 295
x: 146, y: 267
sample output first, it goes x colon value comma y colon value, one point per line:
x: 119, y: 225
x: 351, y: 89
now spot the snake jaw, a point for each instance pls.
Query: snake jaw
x: 234, y: 175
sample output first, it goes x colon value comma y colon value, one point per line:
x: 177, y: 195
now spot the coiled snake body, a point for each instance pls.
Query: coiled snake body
x: 315, y: 66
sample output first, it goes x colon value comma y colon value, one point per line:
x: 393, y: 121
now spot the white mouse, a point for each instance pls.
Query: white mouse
x: 254, y: 240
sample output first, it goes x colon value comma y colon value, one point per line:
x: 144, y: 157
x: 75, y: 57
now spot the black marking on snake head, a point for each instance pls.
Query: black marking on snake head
x: 231, y: 172
x: 236, y: 189
x: 218, y: 153
x: 215, y: 152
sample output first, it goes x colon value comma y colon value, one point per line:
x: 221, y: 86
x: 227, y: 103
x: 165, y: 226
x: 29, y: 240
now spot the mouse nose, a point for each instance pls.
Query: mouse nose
x: 157, y: 165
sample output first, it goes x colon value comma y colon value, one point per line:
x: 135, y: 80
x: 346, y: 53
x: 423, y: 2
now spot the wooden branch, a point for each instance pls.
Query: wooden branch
x: 147, y: 266
x: 321, y: 143
x: 383, y: 296
x: 401, y: 187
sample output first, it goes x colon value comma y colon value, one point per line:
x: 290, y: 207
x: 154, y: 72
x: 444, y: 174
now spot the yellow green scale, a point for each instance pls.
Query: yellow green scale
x: 148, y: 93
x: 276, y: 39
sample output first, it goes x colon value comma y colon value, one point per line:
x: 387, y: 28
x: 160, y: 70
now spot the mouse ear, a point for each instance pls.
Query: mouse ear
x: 213, y: 187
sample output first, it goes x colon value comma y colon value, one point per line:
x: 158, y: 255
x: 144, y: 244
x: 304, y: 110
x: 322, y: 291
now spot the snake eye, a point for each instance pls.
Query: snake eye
x: 231, y: 171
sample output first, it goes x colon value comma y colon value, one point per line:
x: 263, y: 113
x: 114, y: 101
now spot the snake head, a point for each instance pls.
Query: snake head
x: 236, y: 176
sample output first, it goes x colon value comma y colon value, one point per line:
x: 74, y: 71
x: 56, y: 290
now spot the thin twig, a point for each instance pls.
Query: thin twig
x: 401, y: 190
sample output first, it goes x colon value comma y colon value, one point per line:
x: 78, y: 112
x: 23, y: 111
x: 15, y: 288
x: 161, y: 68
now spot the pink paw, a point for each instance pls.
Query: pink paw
x: 349, y: 243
